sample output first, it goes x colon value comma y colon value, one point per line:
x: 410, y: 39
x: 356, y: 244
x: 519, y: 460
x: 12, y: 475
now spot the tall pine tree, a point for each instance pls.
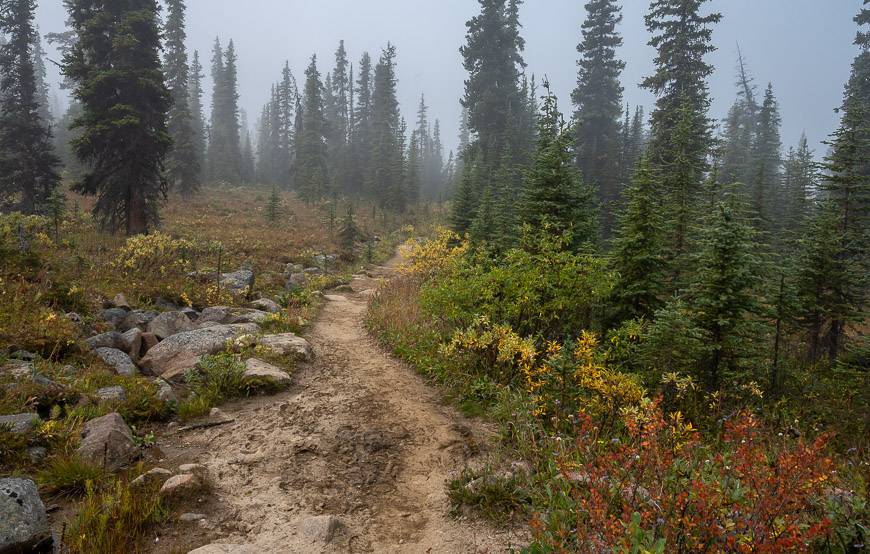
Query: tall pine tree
x: 183, y: 165
x: 312, y: 177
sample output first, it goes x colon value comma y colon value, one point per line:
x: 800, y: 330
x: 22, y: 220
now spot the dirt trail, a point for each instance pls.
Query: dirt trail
x: 360, y: 437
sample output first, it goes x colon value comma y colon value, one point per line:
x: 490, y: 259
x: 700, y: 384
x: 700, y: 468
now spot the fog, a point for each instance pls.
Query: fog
x: 804, y: 47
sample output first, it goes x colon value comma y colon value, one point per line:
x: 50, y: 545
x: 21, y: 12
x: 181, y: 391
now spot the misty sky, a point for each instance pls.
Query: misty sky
x: 804, y: 47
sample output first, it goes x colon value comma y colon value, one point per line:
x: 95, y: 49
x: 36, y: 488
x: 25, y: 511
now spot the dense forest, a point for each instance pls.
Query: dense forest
x: 662, y: 310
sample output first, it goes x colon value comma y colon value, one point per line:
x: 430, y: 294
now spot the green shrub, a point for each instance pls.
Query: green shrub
x: 215, y: 380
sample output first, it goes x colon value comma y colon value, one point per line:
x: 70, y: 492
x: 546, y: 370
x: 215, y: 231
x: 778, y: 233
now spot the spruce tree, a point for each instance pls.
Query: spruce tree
x: 637, y: 254
x: 197, y: 120
x: 386, y: 149
x: 182, y: 164
x: 28, y: 166
x: 348, y: 234
x: 598, y: 106
x: 41, y: 75
x: 362, y: 128
x: 116, y: 69
x: 800, y: 183
x: 312, y: 175
x: 554, y: 195
x: 835, y: 256
x: 740, y: 130
x: 414, y: 168
x: 680, y: 138
x: 248, y: 169
x: 224, y: 146
x: 765, y: 191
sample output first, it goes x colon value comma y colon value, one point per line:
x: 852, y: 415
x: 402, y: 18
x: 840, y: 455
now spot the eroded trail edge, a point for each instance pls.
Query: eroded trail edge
x: 353, y: 458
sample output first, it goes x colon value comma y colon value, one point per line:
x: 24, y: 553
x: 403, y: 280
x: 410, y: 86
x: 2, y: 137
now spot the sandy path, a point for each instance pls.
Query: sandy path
x: 359, y: 437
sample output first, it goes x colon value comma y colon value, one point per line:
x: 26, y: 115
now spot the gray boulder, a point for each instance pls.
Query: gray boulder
x: 226, y: 315
x: 238, y: 282
x: 266, y: 305
x: 169, y: 323
x: 290, y: 269
x: 24, y: 524
x: 17, y: 369
x: 115, y: 317
x: 112, y: 394
x: 120, y: 301
x: 312, y: 271
x: 118, y: 360
x: 108, y: 442
x: 262, y: 373
x: 131, y: 342
x: 288, y: 344
x: 138, y: 319
x: 184, y: 349
x: 165, y: 392
x: 19, y: 423
x: 156, y: 476
x: 112, y: 339
x: 295, y: 281
x: 191, y: 314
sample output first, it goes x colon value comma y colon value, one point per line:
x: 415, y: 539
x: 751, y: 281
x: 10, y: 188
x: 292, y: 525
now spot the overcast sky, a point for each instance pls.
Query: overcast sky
x: 804, y: 47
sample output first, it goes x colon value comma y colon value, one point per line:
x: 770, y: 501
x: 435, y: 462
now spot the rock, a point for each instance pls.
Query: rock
x: 312, y: 271
x: 199, y: 470
x: 169, y: 323
x: 191, y: 314
x: 320, y: 529
x: 288, y: 344
x: 165, y: 305
x: 171, y: 355
x: 324, y: 259
x: 75, y: 318
x: 37, y: 454
x: 112, y: 339
x: 266, y: 305
x: 108, y: 442
x: 118, y: 360
x: 156, y: 476
x: 115, y: 317
x: 226, y: 549
x: 120, y: 301
x: 190, y: 518
x: 17, y: 369
x: 112, y: 394
x: 261, y: 373
x: 180, y: 486
x: 175, y: 370
x: 295, y: 281
x: 19, y: 423
x: 138, y: 319
x: 226, y: 315
x: 131, y: 341
x: 290, y: 269
x: 217, y: 416
x: 24, y: 355
x: 238, y: 282
x: 149, y: 341
x: 335, y: 298
x: 165, y: 392
x: 24, y: 524
x: 344, y: 288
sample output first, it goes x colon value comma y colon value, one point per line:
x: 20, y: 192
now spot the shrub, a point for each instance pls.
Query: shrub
x: 215, y: 380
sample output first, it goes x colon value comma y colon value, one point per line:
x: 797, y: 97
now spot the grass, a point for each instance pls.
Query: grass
x: 216, y: 379
x: 68, y: 475
x: 497, y: 498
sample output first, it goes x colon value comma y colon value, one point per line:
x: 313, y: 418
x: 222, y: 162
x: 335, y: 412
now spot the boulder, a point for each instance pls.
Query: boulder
x: 295, y: 281
x: 17, y: 369
x: 320, y: 529
x: 288, y: 344
x: 226, y: 549
x: 169, y: 323
x: 335, y: 298
x: 183, y: 349
x: 238, y: 282
x: 149, y: 341
x: 181, y: 486
x: 119, y: 360
x: 290, y: 269
x: 112, y: 394
x: 74, y: 318
x: 120, y: 301
x: 112, y: 339
x: 199, y: 470
x: 156, y: 476
x: 138, y: 319
x: 266, y: 305
x: 24, y: 525
x: 312, y: 271
x: 176, y: 368
x: 131, y: 341
x: 19, y: 423
x: 165, y: 392
x: 191, y: 314
x: 226, y: 315
x: 262, y: 373
x: 115, y: 317
x: 108, y: 442
x: 324, y: 259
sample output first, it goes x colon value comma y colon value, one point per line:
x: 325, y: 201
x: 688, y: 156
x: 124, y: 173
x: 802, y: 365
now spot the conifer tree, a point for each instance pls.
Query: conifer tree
x: 765, y: 191
x: 116, y: 69
x: 386, y: 150
x: 680, y: 138
x: 274, y: 206
x: 362, y: 129
x: 224, y: 145
x: 637, y: 254
x: 414, y: 169
x: 312, y: 175
x: 741, y: 125
x: 801, y: 181
x: 28, y: 166
x: 282, y: 121
x: 598, y: 106
x: 834, y: 265
x: 554, y: 196
x: 248, y: 171
x: 348, y: 234
x: 465, y: 197
x: 182, y: 164
x: 41, y: 75
x: 197, y: 120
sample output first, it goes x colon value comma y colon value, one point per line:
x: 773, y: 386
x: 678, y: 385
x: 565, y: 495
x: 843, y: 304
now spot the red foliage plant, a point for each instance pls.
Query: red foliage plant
x: 659, y: 488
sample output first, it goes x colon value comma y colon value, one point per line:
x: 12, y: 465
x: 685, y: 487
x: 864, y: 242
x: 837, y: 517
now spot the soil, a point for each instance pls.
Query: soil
x: 354, y: 457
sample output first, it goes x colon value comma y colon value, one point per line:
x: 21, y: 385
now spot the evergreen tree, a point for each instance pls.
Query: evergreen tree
x: 765, y: 192
x: 282, y: 122
x: 637, y: 254
x: 183, y: 163
x: 116, y: 68
x: 741, y: 127
x: 274, y: 207
x: 224, y: 148
x: 248, y: 171
x: 312, y: 176
x: 833, y: 280
x: 554, y: 196
x: 28, y: 166
x: 414, y: 170
x: 465, y: 197
x: 362, y: 130
x: 386, y: 149
x: 801, y: 180
x: 41, y: 75
x: 598, y: 106
x: 681, y: 130
x: 348, y: 234
x: 197, y: 120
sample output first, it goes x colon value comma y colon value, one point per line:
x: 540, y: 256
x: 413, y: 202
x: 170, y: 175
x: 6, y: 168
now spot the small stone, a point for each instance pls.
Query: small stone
x: 320, y: 529
x: 17, y: 369
x: 115, y: 317
x: 195, y: 469
x: 112, y: 394
x: 112, y: 339
x: 190, y: 518
x: 120, y: 301
x: 180, y: 486
x: 19, y: 423
x: 156, y: 476
x: 288, y: 344
x: 165, y: 392
x: 131, y: 342
x: 266, y: 305
x: 24, y: 525
x: 169, y: 323
x: 118, y: 360
x: 37, y: 453
x: 295, y: 281
x: 74, y: 317
x: 217, y: 415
